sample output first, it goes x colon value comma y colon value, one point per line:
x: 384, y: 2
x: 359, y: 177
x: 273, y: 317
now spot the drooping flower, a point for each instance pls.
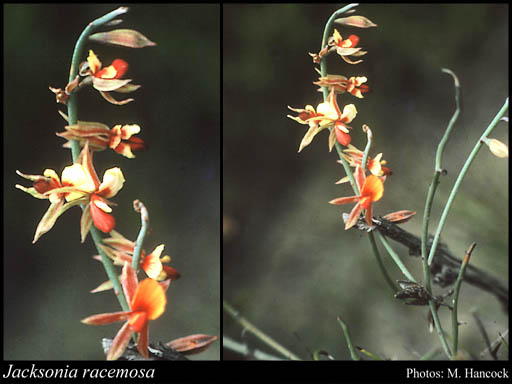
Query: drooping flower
x: 121, y: 250
x: 340, y: 84
x: 147, y: 302
x: 109, y: 78
x: 371, y: 190
x: 120, y: 138
x: 79, y: 185
x: 327, y: 115
x: 497, y: 148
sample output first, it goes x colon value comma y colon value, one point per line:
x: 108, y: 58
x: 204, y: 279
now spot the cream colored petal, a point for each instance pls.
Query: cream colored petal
x: 77, y: 176
x: 113, y: 181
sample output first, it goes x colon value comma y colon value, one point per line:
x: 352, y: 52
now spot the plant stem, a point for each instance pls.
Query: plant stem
x: 75, y: 145
x: 439, y: 329
x: 458, y: 283
x: 144, y: 219
x: 381, y: 265
x: 351, y: 349
x: 462, y: 173
x: 256, y: 332
x: 435, y: 180
x: 395, y: 257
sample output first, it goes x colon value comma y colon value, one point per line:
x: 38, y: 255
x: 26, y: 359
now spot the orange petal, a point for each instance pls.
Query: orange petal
x: 106, y: 318
x: 138, y: 320
x: 373, y: 188
x: 120, y: 342
x: 149, y: 298
x: 354, y: 215
x: 142, y: 343
x: 129, y: 282
x: 192, y: 344
x: 345, y: 200
x: 342, y: 137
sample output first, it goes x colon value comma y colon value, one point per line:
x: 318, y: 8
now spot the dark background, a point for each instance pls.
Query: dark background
x: 288, y: 264
x: 46, y: 285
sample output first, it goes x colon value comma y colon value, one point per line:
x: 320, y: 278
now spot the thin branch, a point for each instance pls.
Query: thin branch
x: 445, y: 266
x: 462, y: 173
x: 395, y: 258
x: 458, y: 283
x: 350, y: 346
x: 256, y: 332
x: 244, y: 350
x: 482, y: 330
x: 138, y: 206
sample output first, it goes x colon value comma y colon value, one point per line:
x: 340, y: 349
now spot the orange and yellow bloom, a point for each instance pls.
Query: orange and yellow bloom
x: 120, y: 138
x: 79, y: 184
x: 340, y: 84
x: 371, y: 190
x: 346, y: 47
x: 354, y: 157
x: 327, y: 115
x: 147, y: 302
x: 109, y: 78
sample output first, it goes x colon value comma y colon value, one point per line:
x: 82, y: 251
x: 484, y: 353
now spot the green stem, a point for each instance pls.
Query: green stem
x: 395, y: 258
x: 458, y: 284
x: 439, y: 329
x: 75, y: 145
x: 256, y: 332
x: 351, y: 349
x: 381, y: 264
x: 144, y: 219
x: 435, y: 179
x: 462, y: 173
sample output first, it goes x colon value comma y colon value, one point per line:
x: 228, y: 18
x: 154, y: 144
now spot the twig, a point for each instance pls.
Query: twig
x: 158, y: 351
x: 458, y: 283
x: 499, y: 340
x: 388, y: 279
x: 138, y: 206
x: 445, y: 266
x: 482, y: 330
x: 351, y: 349
x: 244, y: 350
x: 256, y: 332
x: 395, y: 257
x: 462, y: 173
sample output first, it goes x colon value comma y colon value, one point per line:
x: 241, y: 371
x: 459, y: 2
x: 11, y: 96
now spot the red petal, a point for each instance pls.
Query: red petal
x: 342, y: 137
x: 121, y: 67
x: 142, y: 343
x: 354, y: 39
x: 104, y: 221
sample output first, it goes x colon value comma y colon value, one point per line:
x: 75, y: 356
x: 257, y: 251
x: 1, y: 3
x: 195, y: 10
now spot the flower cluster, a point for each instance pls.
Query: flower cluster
x: 79, y: 185
x: 329, y: 115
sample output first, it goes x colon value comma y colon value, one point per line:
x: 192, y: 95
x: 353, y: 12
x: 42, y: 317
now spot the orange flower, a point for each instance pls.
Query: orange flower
x: 120, y: 250
x: 106, y: 79
x: 120, y: 138
x: 79, y: 185
x: 353, y: 85
x: 327, y: 115
x: 147, y: 302
x: 346, y: 47
x: 354, y: 158
x: 371, y: 190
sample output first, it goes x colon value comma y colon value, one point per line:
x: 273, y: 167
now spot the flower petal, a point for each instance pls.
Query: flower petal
x: 142, y: 343
x: 149, y: 298
x: 106, y: 318
x: 113, y: 180
x: 124, y: 37
x: 129, y: 282
x: 102, y: 220
x: 192, y: 344
x: 354, y: 215
x: 373, y: 188
x: 120, y: 342
x: 85, y: 223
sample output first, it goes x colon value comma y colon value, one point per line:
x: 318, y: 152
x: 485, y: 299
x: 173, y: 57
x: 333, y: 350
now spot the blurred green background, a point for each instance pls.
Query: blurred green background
x: 46, y: 285
x: 288, y: 264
